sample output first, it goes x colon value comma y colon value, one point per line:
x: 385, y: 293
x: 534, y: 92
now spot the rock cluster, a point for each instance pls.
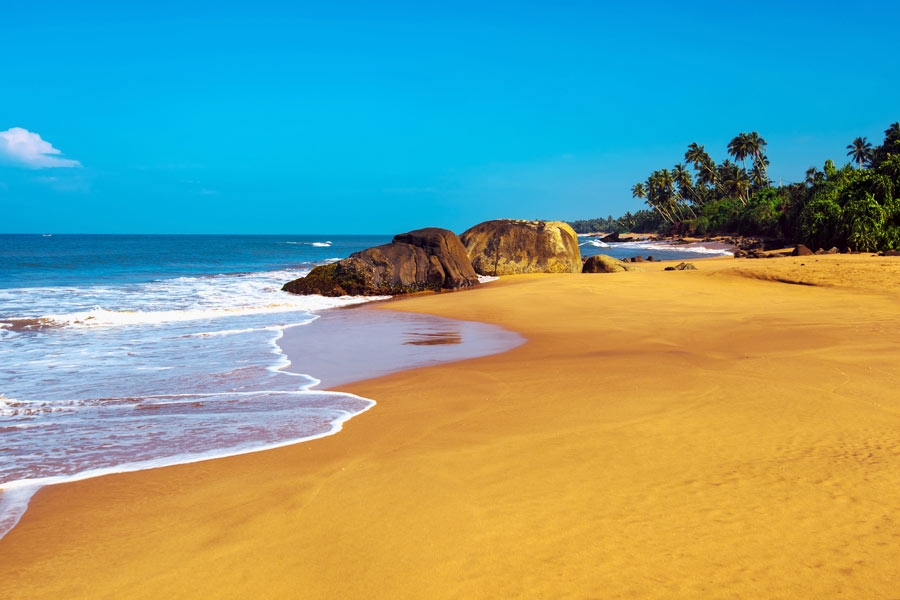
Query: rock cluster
x: 425, y: 259
x: 436, y: 259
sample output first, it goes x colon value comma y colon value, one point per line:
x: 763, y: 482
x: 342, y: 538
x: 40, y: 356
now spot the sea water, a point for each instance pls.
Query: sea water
x: 125, y: 352
x: 660, y: 250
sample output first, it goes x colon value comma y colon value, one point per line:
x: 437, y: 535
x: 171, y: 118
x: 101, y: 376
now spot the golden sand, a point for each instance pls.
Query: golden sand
x: 720, y: 433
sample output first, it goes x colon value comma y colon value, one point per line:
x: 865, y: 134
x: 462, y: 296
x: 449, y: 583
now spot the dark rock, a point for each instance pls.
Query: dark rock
x: 637, y: 259
x: 845, y: 250
x: 600, y: 263
x: 889, y: 253
x: 650, y: 258
x: 740, y: 253
x: 801, y: 250
x: 612, y: 237
x: 443, y: 246
x: 507, y: 247
x: 685, y: 266
x: 832, y: 250
x: 425, y: 259
x: 820, y: 251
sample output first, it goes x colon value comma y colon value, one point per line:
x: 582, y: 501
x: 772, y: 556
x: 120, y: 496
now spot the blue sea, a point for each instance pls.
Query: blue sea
x: 124, y: 352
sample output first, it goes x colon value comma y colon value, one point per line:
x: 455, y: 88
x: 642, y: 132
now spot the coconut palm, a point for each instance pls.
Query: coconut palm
x: 738, y: 184
x: 740, y: 147
x: 758, y: 176
x: 811, y: 175
x: 726, y: 171
x: 707, y: 174
x: 639, y: 191
x: 685, y: 184
x: 696, y: 155
x: 860, y: 151
x: 660, y: 194
x: 757, y: 147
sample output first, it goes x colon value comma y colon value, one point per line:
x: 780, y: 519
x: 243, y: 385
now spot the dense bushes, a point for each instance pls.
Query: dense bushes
x: 853, y: 207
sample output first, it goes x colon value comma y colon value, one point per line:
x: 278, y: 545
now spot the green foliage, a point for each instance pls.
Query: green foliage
x: 845, y: 207
x: 853, y: 207
x: 643, y: 221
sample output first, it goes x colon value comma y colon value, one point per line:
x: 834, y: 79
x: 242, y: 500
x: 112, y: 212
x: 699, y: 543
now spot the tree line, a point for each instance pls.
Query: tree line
x: 856, y: 206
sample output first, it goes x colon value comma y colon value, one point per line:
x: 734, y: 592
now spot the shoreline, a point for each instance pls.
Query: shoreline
x: 462, y: 452
x: 15, y: 495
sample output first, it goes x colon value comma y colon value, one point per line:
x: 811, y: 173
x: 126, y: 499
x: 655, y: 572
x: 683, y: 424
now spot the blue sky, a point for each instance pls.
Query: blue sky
x: 360, y: 117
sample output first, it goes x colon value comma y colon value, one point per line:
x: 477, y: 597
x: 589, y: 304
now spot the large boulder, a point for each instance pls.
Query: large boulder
x: 801, y: 250
x: 425, y: 259
x: 600, y: 263
x: 507, y: 247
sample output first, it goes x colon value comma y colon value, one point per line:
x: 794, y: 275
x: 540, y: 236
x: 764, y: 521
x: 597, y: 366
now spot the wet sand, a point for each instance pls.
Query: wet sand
x: 352, y: 344
x: 730, y: 432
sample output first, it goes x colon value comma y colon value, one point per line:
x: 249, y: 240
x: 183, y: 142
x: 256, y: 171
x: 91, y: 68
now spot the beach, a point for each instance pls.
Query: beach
x: 729, y: 432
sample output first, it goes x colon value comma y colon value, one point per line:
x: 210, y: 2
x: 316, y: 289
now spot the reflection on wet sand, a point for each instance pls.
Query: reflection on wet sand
x: 418, y: 338
x: 351, y: 345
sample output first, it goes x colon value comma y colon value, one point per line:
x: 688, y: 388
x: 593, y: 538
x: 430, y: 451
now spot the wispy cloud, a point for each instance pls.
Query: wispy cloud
x: 26, y: 148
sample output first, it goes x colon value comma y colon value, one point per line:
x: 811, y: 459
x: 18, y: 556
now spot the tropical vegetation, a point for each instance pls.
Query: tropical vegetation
x: 856, y: 206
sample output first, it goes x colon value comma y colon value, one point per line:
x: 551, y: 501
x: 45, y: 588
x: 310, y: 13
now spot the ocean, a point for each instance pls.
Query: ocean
x: 126, y: 352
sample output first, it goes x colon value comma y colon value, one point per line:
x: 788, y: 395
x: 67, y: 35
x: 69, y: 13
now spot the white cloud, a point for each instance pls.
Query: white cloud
x: 25, y: 148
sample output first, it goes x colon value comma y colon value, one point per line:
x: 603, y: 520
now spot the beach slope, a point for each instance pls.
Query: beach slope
x: 730, y: 432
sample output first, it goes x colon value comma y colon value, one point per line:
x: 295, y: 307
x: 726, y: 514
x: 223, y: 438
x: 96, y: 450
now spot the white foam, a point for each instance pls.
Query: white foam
x: 100, y: 317
x: 95, y: 352
x: 696, y: 248
x: 595, y: 244
x: 15, y: 495
x: 487, y: 278
x: 326, y: 244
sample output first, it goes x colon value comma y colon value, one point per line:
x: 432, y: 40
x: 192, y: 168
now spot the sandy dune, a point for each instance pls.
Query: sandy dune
x: 717, y: 433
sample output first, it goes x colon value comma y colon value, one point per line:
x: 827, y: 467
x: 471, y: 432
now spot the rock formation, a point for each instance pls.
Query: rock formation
x: 600, y: 263
x: 507, y: 247
x: 425, y: 259
x: 683, y: 266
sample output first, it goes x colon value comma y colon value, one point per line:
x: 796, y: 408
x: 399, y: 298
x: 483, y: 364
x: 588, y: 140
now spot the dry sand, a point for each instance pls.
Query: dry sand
x: 715, y: 434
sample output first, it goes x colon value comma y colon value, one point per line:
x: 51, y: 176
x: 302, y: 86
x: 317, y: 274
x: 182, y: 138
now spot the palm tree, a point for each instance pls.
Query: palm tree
x: 684, y: 181
x: 659, y: 194
x: 758, y: 176
x: 738, y: 183
x: 860, y: 151
x: 812, y: 174
x: 707, y: 173
x: 757, y: 146
x: 639, y: 191
x: 726, y: 171
x: 695, y: 155
x: 740, y: 148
